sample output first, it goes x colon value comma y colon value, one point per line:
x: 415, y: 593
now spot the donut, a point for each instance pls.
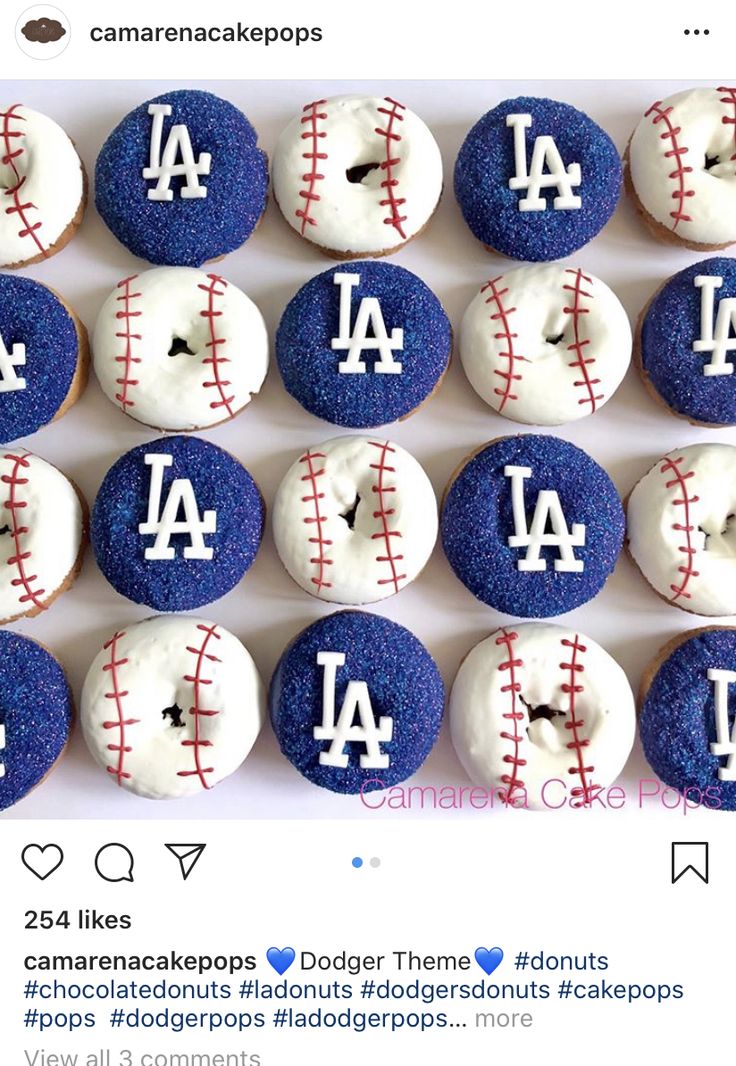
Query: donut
x: 532, y: 525
x: 181, y: 180
x: 44, y: 357
x: 541, y: 715
x: 686, y: 342
x: 44, y: 187
x: 42, y: 536
x: 680, y: 168
x: 176, y: 523
x: 355, y: 520
x: 179, y: 349
x: 171, y: 706
x: 356, y: 702
x: 357, y: 175
x: 537, y: 179
x: 363, y: 344
x: 681, y: 529
x: 545, y: 344
x: 36, y: 716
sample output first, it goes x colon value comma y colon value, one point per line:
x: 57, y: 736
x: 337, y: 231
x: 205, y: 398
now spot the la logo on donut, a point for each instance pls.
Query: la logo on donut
x: 725, y: 743
x: 9, y: 360
x: 165, y: 523
x: 341, y: 729
x: 163, y: 165
x: 533, y: 179
x: 369, y: 318
x: 547, y: 511
x: 717, y: 338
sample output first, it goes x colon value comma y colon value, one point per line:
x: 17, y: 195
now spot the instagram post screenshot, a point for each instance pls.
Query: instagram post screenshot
x: 367, y: 533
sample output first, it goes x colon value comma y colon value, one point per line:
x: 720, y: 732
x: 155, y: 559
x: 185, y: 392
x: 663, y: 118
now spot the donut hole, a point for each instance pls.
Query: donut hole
x: 356, y: 175
x: 556, y: 339
x: 349, y: 515
x: 179, y: 347
x: 711, y: 161
x: 727, y: 528
x: 175, y: 714
x: 543, y: 710
x: 4, y: 530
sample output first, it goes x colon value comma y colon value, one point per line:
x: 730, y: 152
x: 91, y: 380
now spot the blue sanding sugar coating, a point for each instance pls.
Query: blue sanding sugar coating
x: 36, y: 709
x: 477, y: 521
x: 403, y: 683
x: 32, y: 315
x: 220, y: 484
x: 309, y: 365
x: 486, y: 163
x: 678, y: 722
x: 671, y: 325
x: 184, y: 232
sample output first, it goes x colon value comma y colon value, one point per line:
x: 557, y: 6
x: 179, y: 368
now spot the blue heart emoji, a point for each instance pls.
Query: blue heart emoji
x: 282, y: 958
x: 489, y: 959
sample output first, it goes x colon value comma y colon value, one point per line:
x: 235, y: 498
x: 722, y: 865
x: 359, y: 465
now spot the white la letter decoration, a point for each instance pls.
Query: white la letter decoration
x: 9, y: 360
x: 718, y: 341
x: 343, y: 731
x: 181, y: 494
x: 2, y: 748
x: 544, y: 153
x: 725, y: 743
x: 164, y: 167
x: 370, y: 316
x: 548, y: 508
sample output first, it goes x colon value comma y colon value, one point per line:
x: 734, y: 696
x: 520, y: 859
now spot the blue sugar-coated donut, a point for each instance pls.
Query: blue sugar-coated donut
x: 403, y: 684
x: 678, y: 722
x: 183, y: 231
x: 670, y: 328
x: 477, y: 521
x: 220, y: 484
x: 486, y: 163
x: 32, y: 316
x: 36, y: 712
x: 310, y: 364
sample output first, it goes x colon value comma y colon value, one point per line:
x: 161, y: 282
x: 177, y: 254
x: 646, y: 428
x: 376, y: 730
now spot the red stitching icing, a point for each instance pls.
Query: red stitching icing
x: 117, y: 694
x: 311, y: 115
x: 20, y: 557
x: 8, y: 159
x: 577, y: 346
x: 585, y: 790
x: 513, y: 357
x: 197, y: 711
x: 317, y: 519
x: 729, y: 120
x: 384, y: 514
x: 671, y: 133
x: 512, y: 780
x: 390, y: 182
x: 216, y: 359
x: 688, y: 549
x: 127, y: 357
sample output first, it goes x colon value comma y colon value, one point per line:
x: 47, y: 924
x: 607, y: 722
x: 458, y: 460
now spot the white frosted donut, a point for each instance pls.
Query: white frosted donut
x: 172, y: 706
x: 542, y: 715
x: 682, y: 528
x: 545, y: 344
x: 41, y: 533
x: 355, y: 520
x: 682, y: 165
x: 357, y: 175
x: 43, y: 186
x: 180, y: 349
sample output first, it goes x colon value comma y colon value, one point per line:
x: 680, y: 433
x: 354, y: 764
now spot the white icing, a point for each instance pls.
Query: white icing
x: 52, y: 182
x: 716, y: 327
x: 342, y: 729
x: 488, y: 692
x: 163, y: 166
x: 724, y: 745
x: 47, y: 532
x: 524, y: 337
x: 546, y: 170
x: 547, y: 512
x: 394, y: 526
x: 158, y: 661
x: 163, y: 524
x: 368, y: 334
x: 341, y: 133
x: 694, y: 121
x: 687, y: 551
x: 177, y: 392
x: 9, y: 361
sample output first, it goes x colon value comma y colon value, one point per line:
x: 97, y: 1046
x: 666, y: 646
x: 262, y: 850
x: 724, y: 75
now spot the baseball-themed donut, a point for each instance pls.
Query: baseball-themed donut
x: 44, y: 187
x: 357, y: 175
x: 36, y: 711
x: 537, y: 179
x: 44, y: 357
x: 532, y: 525
x: 355, y: 520
x: 687, y: 724
x: 545, y: 344
x: 363, y: 344
x: 181, y: 180
x: 542, y: 715
x: 176, y: 524
x: 681, y: 528
x: 180, y: 349
x: 356, y: 702
x: 171, y: 706
x: 682, y: 168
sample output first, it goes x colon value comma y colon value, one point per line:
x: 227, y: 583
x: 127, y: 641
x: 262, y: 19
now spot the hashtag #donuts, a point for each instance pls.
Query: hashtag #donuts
x: 171, y: 706
x: 542, y: 715
x: 181, y: 180
x: 356, y: 702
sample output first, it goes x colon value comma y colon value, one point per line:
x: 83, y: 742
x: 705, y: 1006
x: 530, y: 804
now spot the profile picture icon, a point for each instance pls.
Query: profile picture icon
x: 42, y: 31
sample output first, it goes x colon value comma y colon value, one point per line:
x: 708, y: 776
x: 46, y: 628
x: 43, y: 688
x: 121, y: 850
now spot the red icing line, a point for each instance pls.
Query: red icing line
x: 672, y: 133
x: 688, y: 549
x: 581, y: 362
x: 513, y: 779
x: 118, y: 694
x: 502, y: 313
x: 20, y: 557
x: 127, y: 358
x: 390, y: 182
x: 8, y: 159
x: 384, y: 513
x: 311, y: 116
x: 586, y: 789
x: 198, y: 711
x: 215, y: 359
x: 317, y: 519
x: 729, y: 120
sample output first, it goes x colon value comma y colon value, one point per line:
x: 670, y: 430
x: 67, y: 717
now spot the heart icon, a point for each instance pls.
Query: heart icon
x: 281, y: 959
x: 42, y: 859
x: 489, y: 959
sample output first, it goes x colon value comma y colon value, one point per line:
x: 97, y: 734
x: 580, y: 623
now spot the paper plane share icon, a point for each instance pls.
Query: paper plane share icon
x: 188, y: 855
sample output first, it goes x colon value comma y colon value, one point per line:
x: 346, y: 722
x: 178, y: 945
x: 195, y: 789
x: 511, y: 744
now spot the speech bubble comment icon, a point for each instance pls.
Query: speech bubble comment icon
x: 114, y: 862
